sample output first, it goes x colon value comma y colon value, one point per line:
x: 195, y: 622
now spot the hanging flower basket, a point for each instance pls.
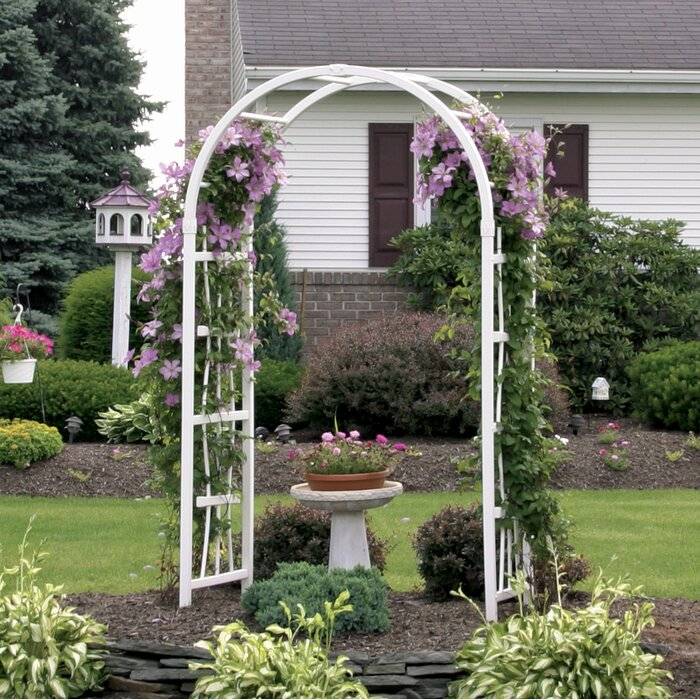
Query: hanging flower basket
x: 19, y: 349
x: 18, y: 371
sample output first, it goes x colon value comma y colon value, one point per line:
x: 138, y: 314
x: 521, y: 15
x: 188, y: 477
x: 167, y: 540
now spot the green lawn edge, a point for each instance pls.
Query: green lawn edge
x: 112, y: 545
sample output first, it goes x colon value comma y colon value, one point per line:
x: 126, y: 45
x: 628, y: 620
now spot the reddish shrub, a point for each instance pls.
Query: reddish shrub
x: 297, y: 533
x: 388, y: 375
x: 450, y: 552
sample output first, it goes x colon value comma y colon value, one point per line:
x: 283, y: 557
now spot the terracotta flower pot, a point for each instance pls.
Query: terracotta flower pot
x: 18, y: 371
x: 346, y: 482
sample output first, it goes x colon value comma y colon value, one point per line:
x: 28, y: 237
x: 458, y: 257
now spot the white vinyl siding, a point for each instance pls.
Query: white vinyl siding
x: 644, y: 161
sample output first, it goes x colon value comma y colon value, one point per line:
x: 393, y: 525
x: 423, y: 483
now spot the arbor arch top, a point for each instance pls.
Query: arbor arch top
x: 333, y: 79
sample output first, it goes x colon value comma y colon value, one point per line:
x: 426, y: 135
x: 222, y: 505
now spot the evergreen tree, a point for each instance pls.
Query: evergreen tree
x: 34, y: 171
x: 98, y: 75
x: 272, y: 259
x: 89, y: 70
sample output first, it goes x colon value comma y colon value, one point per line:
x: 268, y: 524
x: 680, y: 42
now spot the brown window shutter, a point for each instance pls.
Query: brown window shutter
x: 391, y: 179
x: 572, y: 167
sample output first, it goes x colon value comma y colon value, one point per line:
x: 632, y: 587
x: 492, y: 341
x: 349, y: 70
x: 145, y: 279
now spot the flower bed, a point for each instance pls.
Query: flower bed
x: 427, y: 634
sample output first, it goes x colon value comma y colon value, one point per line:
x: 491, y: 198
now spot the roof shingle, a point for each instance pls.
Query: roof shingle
x: 583, y: 34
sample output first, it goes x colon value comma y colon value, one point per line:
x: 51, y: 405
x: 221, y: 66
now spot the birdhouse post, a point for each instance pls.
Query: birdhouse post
x: 122, y: 224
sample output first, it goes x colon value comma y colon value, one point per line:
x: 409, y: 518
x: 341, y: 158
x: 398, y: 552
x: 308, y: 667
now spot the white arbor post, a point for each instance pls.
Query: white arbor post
x: 333, y: 79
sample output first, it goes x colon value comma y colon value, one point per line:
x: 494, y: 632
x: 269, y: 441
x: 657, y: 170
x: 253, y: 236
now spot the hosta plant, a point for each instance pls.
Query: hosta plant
x: 561, y: 653
x: 277, y: 663
x: 46, y: 650
x: 131, y: 422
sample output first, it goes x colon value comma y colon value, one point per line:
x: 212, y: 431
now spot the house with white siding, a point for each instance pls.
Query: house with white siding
x: 621, y: 79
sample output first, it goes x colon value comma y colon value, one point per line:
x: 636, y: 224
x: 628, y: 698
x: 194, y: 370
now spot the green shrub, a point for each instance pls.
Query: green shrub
x: 388, y: 376
x: 580, y: 653
x: 85, y: 328
x: 23, y: 442
x: 275, y: 663
x: 274, y: 382
x: 69, y: 387
x: 665, y: 386
x: 296, y: 533
x: 46, y: 650
x: 271, y: 250
x: 391, y: 376
x: 310, y: 586
x: 450, y: 552
x: 614, y: 284
x: 5, y: 310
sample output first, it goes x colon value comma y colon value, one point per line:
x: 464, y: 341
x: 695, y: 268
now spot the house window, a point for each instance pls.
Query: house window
x: 572, y: 166
x: 391, y: 177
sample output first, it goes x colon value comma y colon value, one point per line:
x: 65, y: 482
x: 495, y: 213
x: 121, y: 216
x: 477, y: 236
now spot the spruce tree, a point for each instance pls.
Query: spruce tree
x: 271, y: 250
x: 92, y: 74
x: 98, y: 74
x: 34, y: 170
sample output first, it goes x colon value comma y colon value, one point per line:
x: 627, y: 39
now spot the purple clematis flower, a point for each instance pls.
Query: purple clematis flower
x: 171, y: 369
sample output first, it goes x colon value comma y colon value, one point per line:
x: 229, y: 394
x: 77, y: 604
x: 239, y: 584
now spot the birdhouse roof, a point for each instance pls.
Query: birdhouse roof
x: 124, y: 195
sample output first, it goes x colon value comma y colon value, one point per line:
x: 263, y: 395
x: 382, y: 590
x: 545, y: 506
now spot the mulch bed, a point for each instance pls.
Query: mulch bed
x: 431, y: 467
x: 418, y: 624
x: 87, y: 469
x: 83, y: 469
x: 650, y: 467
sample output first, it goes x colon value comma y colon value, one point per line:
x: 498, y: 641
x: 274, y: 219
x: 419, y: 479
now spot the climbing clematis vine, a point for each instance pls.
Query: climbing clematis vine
x: 516, y: 164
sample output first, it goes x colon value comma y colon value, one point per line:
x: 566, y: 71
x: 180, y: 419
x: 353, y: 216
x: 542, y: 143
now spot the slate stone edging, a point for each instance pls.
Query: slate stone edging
x: 145, y: 670
x: 150, y: 670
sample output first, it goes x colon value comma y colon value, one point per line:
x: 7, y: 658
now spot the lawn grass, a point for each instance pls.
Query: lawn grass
x: 94, y: 544
x: 103, y: 544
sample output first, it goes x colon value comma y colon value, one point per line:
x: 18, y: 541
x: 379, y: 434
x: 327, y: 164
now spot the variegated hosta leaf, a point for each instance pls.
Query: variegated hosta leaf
x: 564, y: 654
x: 44, y: 647
x: 273, y: 664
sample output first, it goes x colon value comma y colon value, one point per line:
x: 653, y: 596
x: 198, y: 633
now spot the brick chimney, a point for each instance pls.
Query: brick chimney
x: 208, y: 62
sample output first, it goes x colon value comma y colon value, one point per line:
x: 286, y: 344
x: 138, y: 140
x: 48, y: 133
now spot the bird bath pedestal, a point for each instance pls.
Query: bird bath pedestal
x: 348, y: 534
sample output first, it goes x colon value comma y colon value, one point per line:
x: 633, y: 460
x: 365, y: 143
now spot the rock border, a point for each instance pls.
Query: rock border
x: 153, y: 670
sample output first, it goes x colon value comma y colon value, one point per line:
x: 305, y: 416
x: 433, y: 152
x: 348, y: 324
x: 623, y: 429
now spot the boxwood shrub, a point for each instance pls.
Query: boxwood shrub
x: 85, y: 326
x: 665, y: 386
x: 311, y: 586
x: 23, y: 442
x: 70, y: 388
x: 274, y: 382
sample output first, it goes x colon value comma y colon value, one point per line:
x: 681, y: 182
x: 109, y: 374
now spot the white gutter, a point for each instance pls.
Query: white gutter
x: 536, y: 79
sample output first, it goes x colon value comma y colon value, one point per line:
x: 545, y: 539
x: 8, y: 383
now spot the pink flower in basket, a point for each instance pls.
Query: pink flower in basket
x: 21, y: 343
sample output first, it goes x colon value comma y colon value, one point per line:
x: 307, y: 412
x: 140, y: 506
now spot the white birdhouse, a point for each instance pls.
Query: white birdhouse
x: 122, y: 221
x: 601, y: 389
x: 122, y: 224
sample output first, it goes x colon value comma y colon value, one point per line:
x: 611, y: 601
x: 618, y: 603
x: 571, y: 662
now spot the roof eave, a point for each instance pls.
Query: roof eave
x: 532, y: 79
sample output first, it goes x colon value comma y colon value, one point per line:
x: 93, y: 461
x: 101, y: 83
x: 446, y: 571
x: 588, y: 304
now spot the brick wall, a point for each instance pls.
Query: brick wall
x: 207, y: 62
x: 327, y: 300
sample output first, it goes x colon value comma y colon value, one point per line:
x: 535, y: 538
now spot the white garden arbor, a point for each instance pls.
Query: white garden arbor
x: 504, y: 549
